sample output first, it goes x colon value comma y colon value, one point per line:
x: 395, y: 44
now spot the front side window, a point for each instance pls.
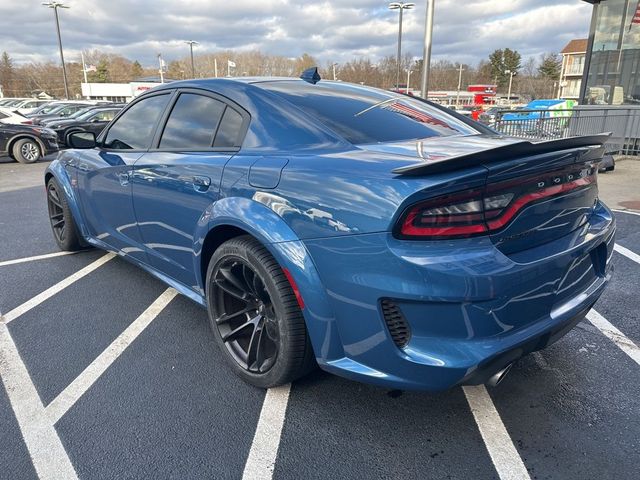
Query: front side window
x: 135, y: 128
x: 192, y: 123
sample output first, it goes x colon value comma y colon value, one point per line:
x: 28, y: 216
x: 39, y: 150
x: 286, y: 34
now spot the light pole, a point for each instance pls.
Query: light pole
x: 333, y: 65
x: 191, y: 43
x: 56, y: 6
x: 426, y: 56
x: 408, y: 80
x: 400, y: 6
x: 511, y: 74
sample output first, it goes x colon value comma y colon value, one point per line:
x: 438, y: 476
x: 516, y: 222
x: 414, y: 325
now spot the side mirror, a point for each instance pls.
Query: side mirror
x: 83, y: 140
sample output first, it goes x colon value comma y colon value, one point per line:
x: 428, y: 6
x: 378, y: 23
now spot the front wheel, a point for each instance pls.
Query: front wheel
x: 63, y: 225
x: 27, y: 150
x: 255, y: 316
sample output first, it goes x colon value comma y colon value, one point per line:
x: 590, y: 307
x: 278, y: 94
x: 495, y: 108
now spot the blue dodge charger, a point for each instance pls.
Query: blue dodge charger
x: 379, y: 236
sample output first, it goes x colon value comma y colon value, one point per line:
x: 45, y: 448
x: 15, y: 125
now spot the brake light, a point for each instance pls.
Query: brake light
x: 487, y: 210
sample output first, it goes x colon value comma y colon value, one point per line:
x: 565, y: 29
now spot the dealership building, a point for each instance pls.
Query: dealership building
x: 120, y: 92
x: 612, y: 62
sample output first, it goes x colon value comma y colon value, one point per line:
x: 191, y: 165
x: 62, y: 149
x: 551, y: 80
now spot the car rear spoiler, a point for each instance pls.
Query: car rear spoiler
x: 524, y: 148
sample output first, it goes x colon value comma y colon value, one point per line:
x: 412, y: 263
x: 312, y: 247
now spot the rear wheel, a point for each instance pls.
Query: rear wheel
x: 255, y: 316
x: 27, y: 150
x: 63, y: 225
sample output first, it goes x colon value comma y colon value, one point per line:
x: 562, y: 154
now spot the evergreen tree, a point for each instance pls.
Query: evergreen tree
x: 6, y: 73
x: 550, y: 66
x: 136, y: 70
x: 503, y: 60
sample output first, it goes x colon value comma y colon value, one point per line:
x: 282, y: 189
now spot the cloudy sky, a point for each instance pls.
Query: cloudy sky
x: 465, y: 30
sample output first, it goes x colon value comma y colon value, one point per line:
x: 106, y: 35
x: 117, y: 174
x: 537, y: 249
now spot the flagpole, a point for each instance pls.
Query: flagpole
x: 84, y: 67
x: 160, y: 63
x: 215, y: 67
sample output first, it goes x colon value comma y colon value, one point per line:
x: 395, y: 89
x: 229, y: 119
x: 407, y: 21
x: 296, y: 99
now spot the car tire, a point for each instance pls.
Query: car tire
x: 63, y: 225
x: 26, y: 150
x: 255, y: 316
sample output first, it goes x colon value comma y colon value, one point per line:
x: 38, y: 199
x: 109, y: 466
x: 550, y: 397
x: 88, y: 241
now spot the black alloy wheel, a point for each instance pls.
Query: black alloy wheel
x: 255, y: 316
x: 247, y: 324
x: 56, y: 213
x: 63, y: 225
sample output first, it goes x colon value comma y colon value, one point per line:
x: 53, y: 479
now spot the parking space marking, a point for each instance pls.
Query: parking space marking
x: 627, y: 253
x: 627, y: 211
x: 45, y: 448
x: 83, y: 382
x: 51, y: 291
x: 615, y: 335
x: 34, y: 258
x: 266, y: 441
x: 502, y: 451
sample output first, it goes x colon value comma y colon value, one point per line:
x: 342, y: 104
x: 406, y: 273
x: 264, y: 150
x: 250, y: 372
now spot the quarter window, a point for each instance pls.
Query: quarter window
x: 134, y: 129
x: 192, y: 123
x: 229, y: 130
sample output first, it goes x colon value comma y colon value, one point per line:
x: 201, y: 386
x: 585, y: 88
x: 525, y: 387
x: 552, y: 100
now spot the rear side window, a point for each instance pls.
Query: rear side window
x: 367, y: 115
x: 135, y: 128
x: 192, y: 123
x: 230, y: 128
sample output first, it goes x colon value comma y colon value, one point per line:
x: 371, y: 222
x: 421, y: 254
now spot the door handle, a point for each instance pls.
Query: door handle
x: 123, y: 177
x: 83, y: 166
x: 201, y: 183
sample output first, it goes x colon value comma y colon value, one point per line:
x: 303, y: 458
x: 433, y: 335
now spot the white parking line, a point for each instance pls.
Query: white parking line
x: 51, y: 291
x: 615, y: 335
x: 34, y: 258
x: 45, y: 448
x: 627, y: 253
x: 504, y: 455
x: 70, y: 395
x: 626, y: 211
x: 264, y: 449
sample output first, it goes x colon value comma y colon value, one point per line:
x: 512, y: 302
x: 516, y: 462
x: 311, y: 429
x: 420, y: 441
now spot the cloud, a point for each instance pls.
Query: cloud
x: 329, y: 30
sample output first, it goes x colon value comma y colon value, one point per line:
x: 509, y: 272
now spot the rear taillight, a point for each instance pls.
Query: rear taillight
x: 487, y: 210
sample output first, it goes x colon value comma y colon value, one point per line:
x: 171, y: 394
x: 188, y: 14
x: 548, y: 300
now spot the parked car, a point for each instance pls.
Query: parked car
x: 392, y: 240
x: 62, y: 110
x: 28, y: 106
x: 91, y: 120
x: 8, y: 115
x: 26, y: 143
x: 488, y: 117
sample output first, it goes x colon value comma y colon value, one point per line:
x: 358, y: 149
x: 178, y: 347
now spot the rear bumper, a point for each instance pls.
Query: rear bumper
x: 471, y: 310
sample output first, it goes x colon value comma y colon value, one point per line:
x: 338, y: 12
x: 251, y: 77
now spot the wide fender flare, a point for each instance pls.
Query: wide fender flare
x: 56, y: 169
x: 289, y: 251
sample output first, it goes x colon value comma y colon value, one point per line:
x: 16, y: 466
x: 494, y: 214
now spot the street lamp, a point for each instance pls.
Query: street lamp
x: 511, y: 73
x: 409, y: 72
x: 191, y: 43
x: 56, y: 6
x: 333, y: 65
x: 400, y: 6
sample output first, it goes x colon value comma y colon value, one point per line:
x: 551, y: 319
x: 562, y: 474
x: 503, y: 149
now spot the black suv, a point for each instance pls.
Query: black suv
x: 25, y: 143
x: 93, y: 120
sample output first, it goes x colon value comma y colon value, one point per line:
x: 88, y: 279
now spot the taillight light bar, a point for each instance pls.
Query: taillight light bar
x: 487, y: 210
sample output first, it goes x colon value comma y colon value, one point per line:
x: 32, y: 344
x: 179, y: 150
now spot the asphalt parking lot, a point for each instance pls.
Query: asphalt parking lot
x: 109, y: 374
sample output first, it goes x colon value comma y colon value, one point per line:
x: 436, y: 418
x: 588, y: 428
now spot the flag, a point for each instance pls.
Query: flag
x: 231, y: 64
x: 636, y: 17
x: 92, y: 68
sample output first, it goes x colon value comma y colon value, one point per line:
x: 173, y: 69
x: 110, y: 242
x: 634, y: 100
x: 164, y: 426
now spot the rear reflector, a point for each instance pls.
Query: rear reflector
x: 483, y: 211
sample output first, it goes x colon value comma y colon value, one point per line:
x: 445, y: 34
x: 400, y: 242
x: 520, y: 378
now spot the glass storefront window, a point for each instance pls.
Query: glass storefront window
x: 614, y: 72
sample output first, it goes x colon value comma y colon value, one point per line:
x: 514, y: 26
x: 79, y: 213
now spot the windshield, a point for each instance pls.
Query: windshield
x: 367, y: 115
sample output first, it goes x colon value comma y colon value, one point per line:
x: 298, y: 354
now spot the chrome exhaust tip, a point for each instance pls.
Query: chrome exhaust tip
x: 497, y: 377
